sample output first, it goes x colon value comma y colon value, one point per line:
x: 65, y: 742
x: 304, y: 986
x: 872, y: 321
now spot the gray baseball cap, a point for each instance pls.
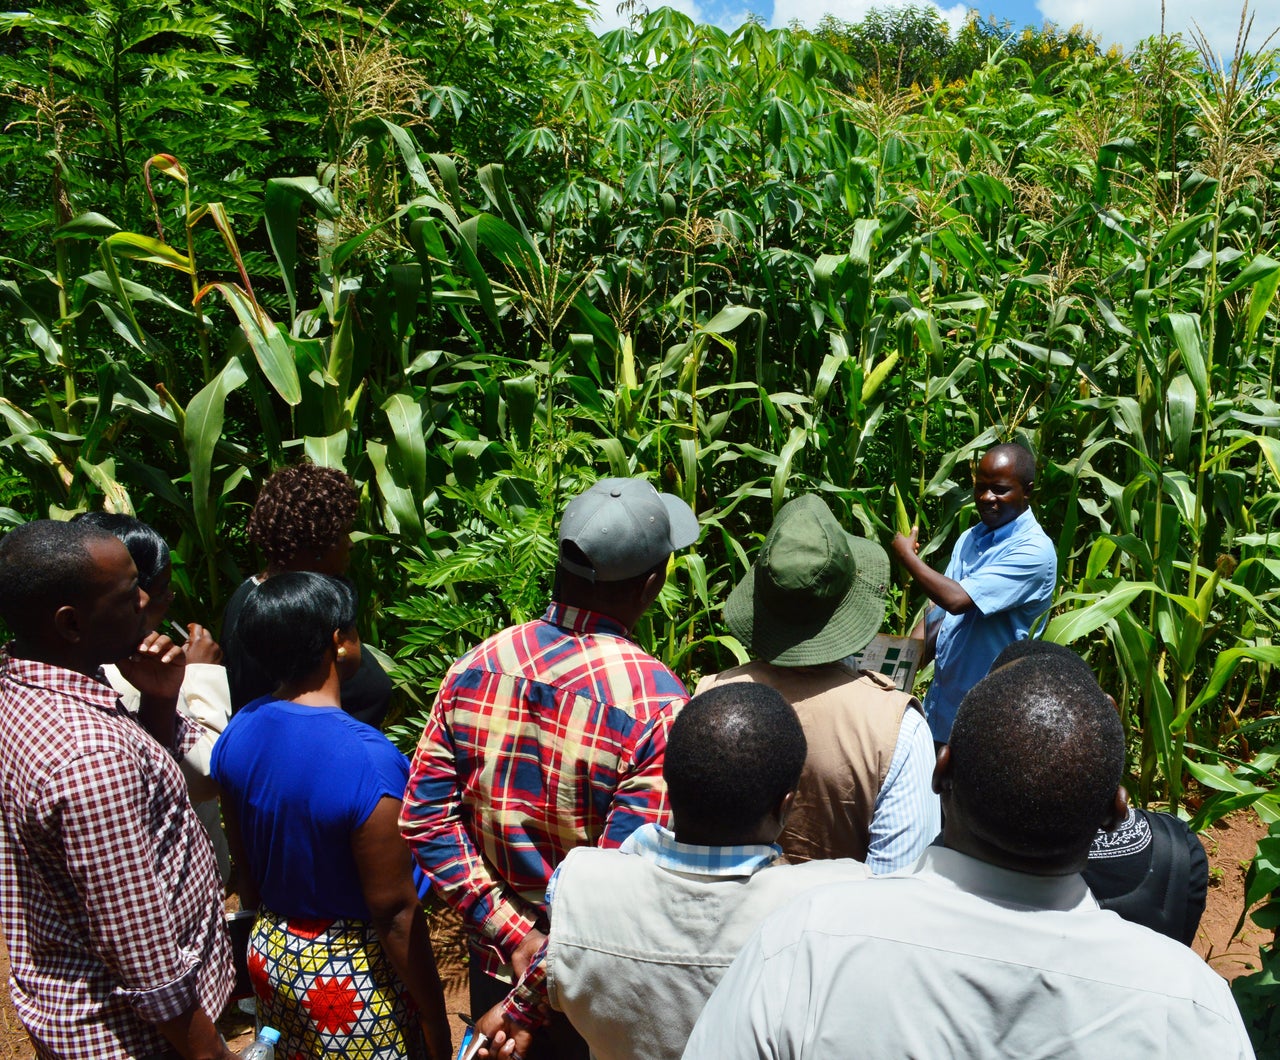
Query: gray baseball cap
x: 624, y: 527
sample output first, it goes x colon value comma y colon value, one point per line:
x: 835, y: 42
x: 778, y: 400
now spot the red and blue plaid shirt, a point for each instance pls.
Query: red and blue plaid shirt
x: 548, y: 736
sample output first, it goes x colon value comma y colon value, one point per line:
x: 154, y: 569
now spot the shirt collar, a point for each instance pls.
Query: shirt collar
x: 92, y: 690
x: 580, y: 620
x: 1002, y: 533
x: 658, y: 845
x: 1003, y: 886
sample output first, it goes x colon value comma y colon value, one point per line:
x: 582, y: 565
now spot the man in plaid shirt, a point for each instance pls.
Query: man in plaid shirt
x: 109, y: 895
x: 550, y: 735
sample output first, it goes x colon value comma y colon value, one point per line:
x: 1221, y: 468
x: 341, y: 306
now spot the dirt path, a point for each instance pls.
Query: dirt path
x: 1230, y: 845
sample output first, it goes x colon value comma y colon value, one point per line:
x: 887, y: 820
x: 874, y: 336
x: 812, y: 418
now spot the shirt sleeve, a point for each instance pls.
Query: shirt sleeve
x: 1022, y: 572
x: 641, y: 794
x: 526, y: 1005
x: 98, y: 805
x: 205, y: 700
x: 907, y: 816
x: 431, y: 823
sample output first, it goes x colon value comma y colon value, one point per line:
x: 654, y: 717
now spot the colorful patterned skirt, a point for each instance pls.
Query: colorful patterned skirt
x: 329, y: 989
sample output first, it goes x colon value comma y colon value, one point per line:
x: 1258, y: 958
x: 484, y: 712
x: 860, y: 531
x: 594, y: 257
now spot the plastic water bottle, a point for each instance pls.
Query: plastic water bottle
x: 264, y: 1045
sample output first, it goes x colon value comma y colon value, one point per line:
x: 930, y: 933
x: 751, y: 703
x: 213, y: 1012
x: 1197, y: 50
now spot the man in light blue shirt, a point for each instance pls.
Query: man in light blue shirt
x: 999, y: 581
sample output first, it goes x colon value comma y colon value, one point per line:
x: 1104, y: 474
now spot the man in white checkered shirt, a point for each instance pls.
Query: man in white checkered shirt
x: 109, y: 895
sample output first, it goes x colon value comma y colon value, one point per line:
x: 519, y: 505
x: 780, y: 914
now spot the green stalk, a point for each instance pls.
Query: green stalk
x: 66, y: 333
x: 202, y: 332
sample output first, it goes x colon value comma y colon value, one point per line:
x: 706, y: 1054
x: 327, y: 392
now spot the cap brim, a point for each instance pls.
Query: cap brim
x: 845, y: 631
x: 681, y: 520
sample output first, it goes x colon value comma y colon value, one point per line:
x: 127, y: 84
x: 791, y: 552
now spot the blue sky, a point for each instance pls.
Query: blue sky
x: 1122, y: 22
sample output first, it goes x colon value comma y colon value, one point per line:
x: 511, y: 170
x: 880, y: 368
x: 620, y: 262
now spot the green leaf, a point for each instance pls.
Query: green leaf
x: 1220, y: 778
x: 342, y: 351
x: 729, y: 318
x: 270, y: 346
x: 795, y: 442
x: 619, y: 465
x: 1260, y: 299
x: 201, y: 433
x: 1071, y: 625
x: 1185, y: 331
x: 87, y: 226
x: 144, y: 248
x: 399, y: 512
x: 1224, y: 667
x: 1260, y: 269
x: 329, y: 451
x: 408, y: 154
x: 1180, y: 231
x: 27, y: 434
x: 283, y: 201
x: 1181, y: 402
x: 463, y: 247
x: 522, y: 405
x: 493, y: 179
x: 405, y: 416
x: 115, y: 498
x: 831, y: 364
x: 864, y: 235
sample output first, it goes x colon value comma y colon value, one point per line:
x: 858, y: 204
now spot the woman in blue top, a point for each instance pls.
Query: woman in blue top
x: 340, y: 955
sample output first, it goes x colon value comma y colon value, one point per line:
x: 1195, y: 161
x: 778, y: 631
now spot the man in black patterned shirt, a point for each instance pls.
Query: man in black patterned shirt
x: 109, y: 895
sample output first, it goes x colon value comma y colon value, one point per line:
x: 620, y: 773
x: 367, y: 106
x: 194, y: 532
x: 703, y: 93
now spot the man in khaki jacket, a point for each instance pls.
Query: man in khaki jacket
x: 815, y: 596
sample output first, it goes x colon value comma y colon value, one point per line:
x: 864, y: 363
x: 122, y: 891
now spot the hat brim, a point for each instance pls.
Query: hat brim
x: 844, y: 631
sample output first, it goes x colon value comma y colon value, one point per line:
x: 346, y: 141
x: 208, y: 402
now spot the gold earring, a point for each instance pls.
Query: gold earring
x: 342, y: 653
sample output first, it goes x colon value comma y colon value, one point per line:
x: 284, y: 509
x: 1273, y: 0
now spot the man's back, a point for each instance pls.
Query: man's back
x: 637, y: 946
x: 546, y: 737
x: 961, y: 958
x: 854, y: 724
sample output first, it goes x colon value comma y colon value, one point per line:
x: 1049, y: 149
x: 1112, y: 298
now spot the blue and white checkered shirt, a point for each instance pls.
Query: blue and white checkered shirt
x: 659, y: 845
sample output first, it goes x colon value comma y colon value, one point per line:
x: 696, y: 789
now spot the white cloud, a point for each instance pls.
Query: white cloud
x: 810, y: 12
x: 607, y: 17
x: 1130, y: 21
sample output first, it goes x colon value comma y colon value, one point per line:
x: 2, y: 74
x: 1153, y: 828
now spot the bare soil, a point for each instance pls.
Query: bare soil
x: 1230, y: 845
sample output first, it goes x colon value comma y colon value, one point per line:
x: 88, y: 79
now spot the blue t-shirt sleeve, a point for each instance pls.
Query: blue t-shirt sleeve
x: 1020, y: 574
x: 385, y: 776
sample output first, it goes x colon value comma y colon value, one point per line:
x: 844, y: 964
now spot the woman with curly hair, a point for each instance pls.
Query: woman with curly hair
x: 302, y: 521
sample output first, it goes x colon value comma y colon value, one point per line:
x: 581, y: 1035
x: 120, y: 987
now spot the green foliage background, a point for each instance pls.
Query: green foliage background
x: 477, y: 256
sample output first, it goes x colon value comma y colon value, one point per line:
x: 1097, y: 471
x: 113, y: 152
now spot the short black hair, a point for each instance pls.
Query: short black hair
x: 44, y: 564
x: 1037, y: 753
x: 147, y: 548
x: 1029, y: 647
x: 733, y: 753
x: 288, y: 622
x: 303, y: 508
x: 1022, y: 458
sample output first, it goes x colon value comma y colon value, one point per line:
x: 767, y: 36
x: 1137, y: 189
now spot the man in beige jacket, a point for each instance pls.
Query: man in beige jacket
x: 815, y: 596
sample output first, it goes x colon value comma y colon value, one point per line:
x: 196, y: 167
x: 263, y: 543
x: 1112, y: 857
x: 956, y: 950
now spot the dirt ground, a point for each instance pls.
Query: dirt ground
x: 1230, y: 846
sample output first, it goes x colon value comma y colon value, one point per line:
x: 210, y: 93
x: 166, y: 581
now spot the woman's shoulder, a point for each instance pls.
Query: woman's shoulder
x: 364, y: 739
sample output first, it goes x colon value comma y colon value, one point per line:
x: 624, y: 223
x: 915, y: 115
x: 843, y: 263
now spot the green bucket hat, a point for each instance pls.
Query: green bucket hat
x: 814, y: 595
